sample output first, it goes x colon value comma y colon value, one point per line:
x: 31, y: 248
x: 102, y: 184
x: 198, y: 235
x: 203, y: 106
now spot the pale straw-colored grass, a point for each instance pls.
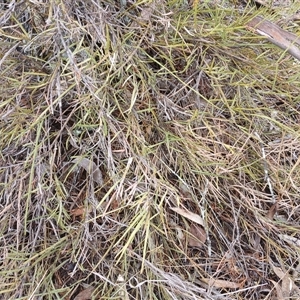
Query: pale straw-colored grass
x: 114, y: 114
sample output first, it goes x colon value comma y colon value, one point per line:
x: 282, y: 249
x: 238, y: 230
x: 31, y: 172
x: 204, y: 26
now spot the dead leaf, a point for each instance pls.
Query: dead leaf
x: 197, y: 236
x: 77, y: 212
x: 283, y: 39
x: 277, y: 286
x: 272, y: 211
x: 278, y: 271
x: 184, y: 191
x: 222, y: 283
x: 90, y: 167
x: 189, y: 215
x: 287, y: 285
x: 290, y: 239
x: 86, y: 294
x: 275, y: 3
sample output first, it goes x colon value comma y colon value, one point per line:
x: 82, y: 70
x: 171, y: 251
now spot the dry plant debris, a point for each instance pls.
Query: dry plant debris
x: 149, y: 150
x: 283, y: 39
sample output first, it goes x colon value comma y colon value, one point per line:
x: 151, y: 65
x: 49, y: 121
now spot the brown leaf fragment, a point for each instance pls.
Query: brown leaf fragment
x: 86, y: 294
x: 77, y: 212
x: 286, y: 286
x: 222, y: 283
x: 287, y: 283
x: 272, y: 211
x: 90, y: 167
x: 197, y: 236
x: 189, y: 215
x: 278, y: 290
x: 185, y: 191
x: 278, y: 271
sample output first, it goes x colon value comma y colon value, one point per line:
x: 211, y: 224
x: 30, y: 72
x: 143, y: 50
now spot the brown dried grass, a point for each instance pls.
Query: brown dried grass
x: 166, y: 105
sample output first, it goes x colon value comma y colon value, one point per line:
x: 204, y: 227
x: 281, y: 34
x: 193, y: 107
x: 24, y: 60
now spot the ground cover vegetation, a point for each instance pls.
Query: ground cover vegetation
x: 149, y: 150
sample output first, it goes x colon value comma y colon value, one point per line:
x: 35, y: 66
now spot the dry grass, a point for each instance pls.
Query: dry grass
x: 114, y: 114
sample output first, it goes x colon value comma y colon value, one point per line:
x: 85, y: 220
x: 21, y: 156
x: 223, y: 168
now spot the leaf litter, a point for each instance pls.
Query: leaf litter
x: 153, y: 146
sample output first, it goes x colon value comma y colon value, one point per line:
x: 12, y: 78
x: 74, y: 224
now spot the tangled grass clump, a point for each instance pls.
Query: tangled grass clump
x: 149, y: 150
